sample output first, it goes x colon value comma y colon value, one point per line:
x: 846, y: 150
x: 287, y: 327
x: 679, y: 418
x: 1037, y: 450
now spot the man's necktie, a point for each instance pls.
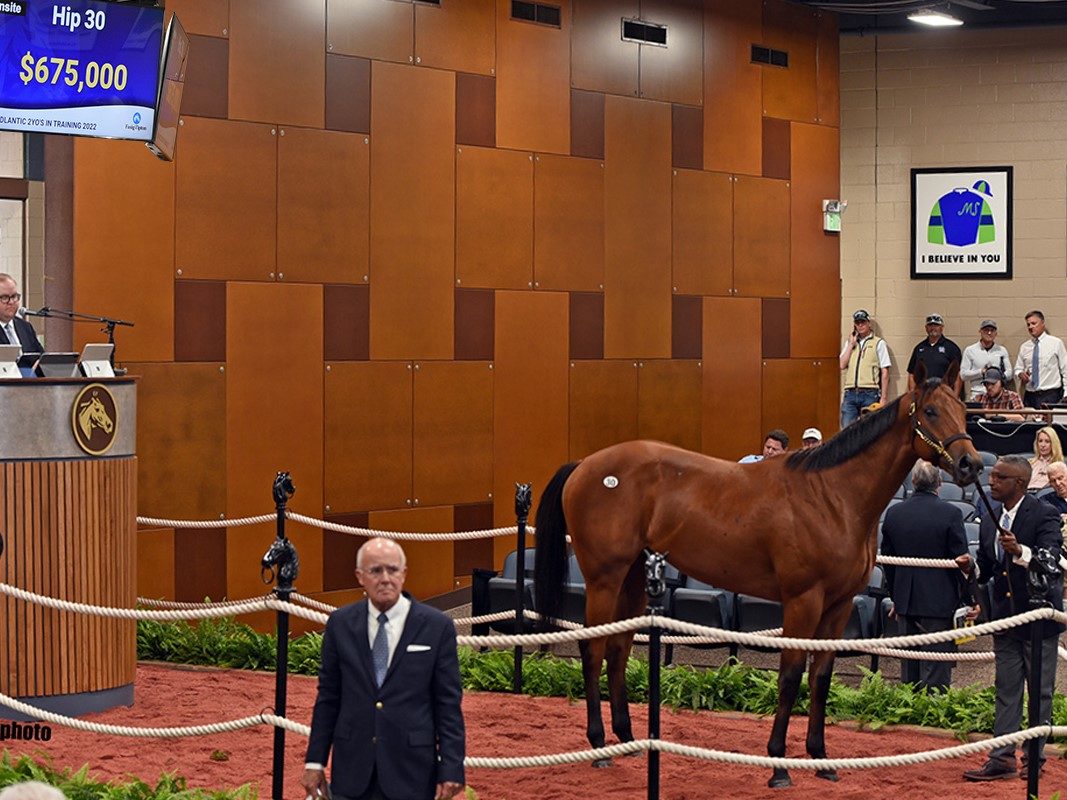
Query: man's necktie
x: 9, y: 332
x: 1005, y: 523
x: 380, y: 651
x: 1035, y: 367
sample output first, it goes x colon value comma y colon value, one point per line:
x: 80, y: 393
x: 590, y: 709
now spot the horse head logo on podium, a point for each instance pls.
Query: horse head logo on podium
x: 94, y: 419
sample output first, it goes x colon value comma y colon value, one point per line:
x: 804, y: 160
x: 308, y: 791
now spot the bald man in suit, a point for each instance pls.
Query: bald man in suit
x: 389, y: 700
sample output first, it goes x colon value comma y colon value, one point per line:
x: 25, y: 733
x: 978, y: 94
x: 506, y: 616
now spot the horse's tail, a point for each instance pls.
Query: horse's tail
x: 550, y: 564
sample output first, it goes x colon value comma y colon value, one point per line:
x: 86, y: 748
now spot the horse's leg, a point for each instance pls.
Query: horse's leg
x: 631, y: 603
x: 599, y: 604
x: 800, y: 616
x: 822, y: 669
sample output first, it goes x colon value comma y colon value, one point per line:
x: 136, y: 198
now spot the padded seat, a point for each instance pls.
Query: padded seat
x: 502, y: 590
x: 703, y: 604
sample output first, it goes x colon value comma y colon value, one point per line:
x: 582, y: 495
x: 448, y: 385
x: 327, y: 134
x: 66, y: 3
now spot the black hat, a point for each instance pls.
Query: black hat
x: 992, y: 375
x: 861, y: 315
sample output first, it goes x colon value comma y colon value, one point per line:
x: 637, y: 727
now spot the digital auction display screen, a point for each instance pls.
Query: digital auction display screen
x: 81, y: 67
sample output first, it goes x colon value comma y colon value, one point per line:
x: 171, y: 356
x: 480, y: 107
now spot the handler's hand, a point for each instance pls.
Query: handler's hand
x: 447, y: 790
x: 964, y: 563
x: 314, y: 782
x: 1010, y: 544
x: 972, y: 615
x: 892, y: 612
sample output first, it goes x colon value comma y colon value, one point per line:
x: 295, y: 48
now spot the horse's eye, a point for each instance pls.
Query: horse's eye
x: 930, y: 412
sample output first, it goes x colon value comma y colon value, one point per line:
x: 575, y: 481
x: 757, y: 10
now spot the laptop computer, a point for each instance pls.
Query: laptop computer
x: 96, y: 361
x: 9, y: 361
x: 57, y: 365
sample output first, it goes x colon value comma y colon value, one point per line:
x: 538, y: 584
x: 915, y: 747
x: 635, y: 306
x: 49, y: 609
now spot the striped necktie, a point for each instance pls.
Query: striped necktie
x: 1035, y: 367
x: 380, y: 651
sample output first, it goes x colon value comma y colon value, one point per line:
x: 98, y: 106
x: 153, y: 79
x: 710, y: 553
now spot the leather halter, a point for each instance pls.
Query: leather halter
x: 939, y: 447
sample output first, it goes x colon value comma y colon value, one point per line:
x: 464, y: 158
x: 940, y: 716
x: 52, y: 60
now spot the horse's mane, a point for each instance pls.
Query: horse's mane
x: 848, y: 443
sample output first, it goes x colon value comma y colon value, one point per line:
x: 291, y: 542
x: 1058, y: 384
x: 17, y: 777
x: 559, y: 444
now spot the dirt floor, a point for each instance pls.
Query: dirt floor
x: 500, y: 725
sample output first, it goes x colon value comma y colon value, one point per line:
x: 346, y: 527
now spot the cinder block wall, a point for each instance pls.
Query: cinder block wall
x: 958, y: 98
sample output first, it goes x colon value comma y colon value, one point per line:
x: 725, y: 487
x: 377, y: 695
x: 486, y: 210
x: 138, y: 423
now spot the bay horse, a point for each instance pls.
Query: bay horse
x: 799, y: 529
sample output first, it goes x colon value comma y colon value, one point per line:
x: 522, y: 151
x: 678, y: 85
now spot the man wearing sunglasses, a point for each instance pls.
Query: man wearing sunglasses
x: 13, y: 329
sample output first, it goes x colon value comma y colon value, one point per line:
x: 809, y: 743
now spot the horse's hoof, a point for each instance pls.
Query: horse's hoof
x: 780, y: 780
x: 601, y: 763
x: 827, y: 775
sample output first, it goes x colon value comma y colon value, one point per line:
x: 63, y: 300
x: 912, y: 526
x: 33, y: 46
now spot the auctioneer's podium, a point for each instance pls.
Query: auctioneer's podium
x: 68, y: 518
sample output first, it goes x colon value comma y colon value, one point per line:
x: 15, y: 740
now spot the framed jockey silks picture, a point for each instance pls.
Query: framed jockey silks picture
x: 961, y: 221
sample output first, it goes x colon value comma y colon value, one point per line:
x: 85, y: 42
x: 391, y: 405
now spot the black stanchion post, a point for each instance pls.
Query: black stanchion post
x: 1041, y: 577
x: 523, y: 499
x: 280, y: 564
x: 655, y: 586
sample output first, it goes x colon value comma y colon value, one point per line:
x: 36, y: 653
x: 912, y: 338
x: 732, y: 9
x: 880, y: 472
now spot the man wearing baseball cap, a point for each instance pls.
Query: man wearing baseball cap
x: 865, y: 361
x: 935, y: 352
x: 997, y: 397
x: 982, y: 355
x: 812, y: 438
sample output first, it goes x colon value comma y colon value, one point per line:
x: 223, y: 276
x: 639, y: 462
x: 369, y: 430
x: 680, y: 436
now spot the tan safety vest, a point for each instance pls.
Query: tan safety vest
x: 863, y: 369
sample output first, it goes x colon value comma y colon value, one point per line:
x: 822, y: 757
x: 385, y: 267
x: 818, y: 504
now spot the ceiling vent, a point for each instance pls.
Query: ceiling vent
x: 636, y: 30
x: 539, y: 13
x: 768, y: 55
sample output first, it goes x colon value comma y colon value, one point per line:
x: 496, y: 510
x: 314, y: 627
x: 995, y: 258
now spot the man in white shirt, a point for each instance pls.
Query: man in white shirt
x: 1041, y: 365
x: 982, y: 355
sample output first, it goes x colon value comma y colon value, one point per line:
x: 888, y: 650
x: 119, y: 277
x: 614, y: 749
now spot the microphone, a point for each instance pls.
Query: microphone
x: 25, y: 312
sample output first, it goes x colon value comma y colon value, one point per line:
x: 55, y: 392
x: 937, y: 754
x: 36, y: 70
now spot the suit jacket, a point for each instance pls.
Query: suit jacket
x: 924, y: 526
x: 27, y: 337
x: 411, y: 728
x: 1036, y: 524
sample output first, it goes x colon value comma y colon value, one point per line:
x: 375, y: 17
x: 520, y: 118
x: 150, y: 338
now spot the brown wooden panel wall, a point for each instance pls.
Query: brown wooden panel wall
x: 368, y: 436
x: 127, y: 277
x: 603, y: 405
x: 155, y: 563
x: 69, y: 530
x: 668, y: 402
x: 274, y: 421
x: 413, y: 117
x: 206, y: 17
x: 533, y: 82
x: 494, y: 218
x: 600, y: 60
x: 530, y: 388
x: 453, y: 450
x: 815, y: 280
x: 568, y: 223
x: 761, y: 247
x: 181, y: 440
x: 827, y: 70
x: 378, y: 29
x: 224, y: 223
x: 674, y: 73
x: 790, y: 396
x: 829, y: 404
x: 323, y: 206
x: 430, y: 564
x: 637, y: 224
x: 278, y: 61
x: 458, y: 34
x: 732, y: 398
x: 732, y: 87
x: 790, y: 93
x: 702, y: 233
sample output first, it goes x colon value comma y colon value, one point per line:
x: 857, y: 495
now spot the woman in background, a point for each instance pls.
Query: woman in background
x: 1047, y: 450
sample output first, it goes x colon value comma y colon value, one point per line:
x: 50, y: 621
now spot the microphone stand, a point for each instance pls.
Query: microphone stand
x: 108, y: 322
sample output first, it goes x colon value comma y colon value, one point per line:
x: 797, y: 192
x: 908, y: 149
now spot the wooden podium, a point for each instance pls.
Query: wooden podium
x: 68, y: 518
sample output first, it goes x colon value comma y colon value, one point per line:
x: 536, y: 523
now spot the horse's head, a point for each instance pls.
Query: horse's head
x: 939, y: 425
x: 280, y: 558
x: 655, y: 567
x: 1041, y: 574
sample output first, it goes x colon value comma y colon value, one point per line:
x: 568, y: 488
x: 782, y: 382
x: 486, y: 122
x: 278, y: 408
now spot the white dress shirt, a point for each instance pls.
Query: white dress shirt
x: 976, y: 360
x: 1007, y: 520
x: 1052, y: 362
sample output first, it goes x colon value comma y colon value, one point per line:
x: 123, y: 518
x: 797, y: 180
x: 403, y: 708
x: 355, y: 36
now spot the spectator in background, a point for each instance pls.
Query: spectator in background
x: 936, y: 352
x: 924, y: 526
x: 1057, y: 479
x: 1047, y: 451
x: 865, y: 360
x: 997, y: 397
x: 1041, y: 365
x: 982, y: 355
x: 812, y: 438
x: 775, y: 443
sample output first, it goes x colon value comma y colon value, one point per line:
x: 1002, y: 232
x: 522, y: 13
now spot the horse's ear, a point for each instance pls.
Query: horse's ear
x: 920, y: 373
x: 951, y: 374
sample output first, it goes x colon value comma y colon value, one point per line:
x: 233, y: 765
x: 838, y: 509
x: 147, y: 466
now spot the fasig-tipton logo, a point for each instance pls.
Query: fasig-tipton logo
x: 13, y: 8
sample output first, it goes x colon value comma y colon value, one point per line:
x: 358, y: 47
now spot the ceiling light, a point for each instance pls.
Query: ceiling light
x: 935, y: 19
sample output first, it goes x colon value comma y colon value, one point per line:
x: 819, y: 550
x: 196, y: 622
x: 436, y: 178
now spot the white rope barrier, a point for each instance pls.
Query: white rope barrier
x: 208, y: 612
x: 312, y: 603
x: 177, y: 604
x: 404, y: 536
x: 904, y: 561
x: 154, y: 522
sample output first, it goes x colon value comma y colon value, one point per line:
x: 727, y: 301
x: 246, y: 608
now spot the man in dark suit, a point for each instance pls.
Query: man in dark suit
x: 13, y: 329
x: 389, y: 693
x: 1003, y: 559
x: 924, y: 526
